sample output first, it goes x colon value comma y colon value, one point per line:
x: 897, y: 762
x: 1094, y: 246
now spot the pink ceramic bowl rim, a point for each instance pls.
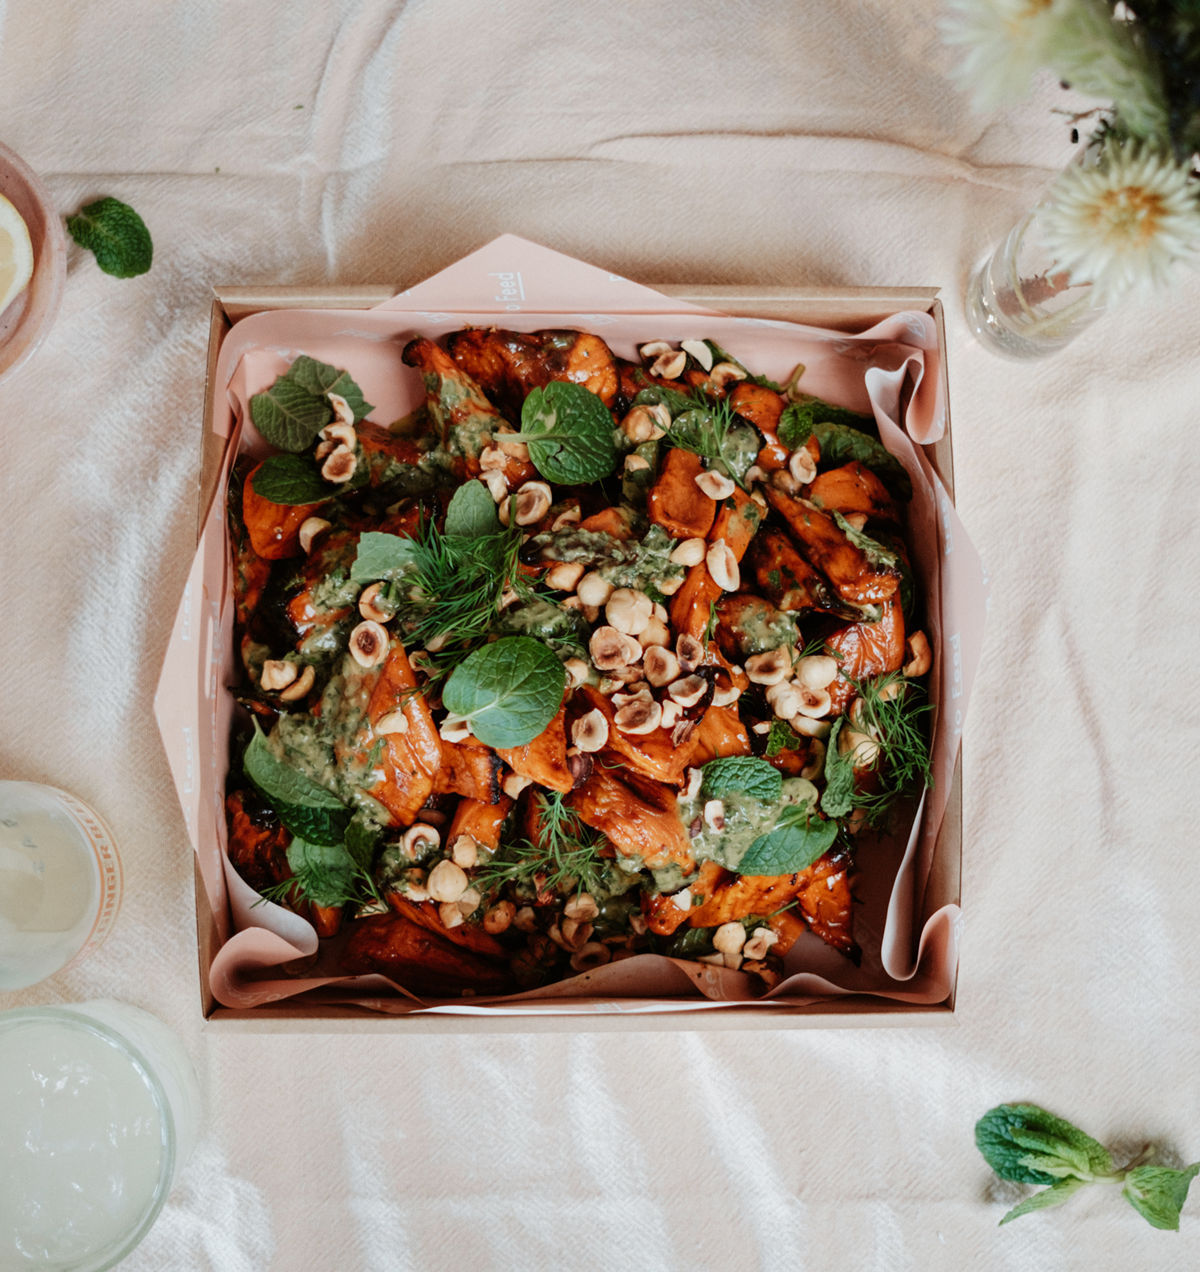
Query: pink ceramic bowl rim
x: 20, y: 337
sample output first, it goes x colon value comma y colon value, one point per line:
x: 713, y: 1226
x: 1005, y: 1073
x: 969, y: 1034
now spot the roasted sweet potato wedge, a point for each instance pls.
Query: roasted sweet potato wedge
x: 470, y: 936
x: 784, y: 576
x: 545, y: 758
x: 676, y: 503
x: 615, y: 521
x: 853, y: 488
x: 759, y: 405
x: 866, y: 650
x: 634, y: 826
x: 652, y: 755
x: 483, y: 822
x: 463, y: 415
x: 257, y: 842
x: 420, y: 960
x: 736, y: 521
x: 746, y: 624
x: 469, y: 768
x: 664, y: 916
x: 410, y: 759
x: 719, y: 733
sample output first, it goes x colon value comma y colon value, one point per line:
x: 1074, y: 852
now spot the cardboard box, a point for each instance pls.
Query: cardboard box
x: 850, y: 310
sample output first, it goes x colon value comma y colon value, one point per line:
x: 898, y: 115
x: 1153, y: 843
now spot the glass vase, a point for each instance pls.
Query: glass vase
x: 1021, y: 303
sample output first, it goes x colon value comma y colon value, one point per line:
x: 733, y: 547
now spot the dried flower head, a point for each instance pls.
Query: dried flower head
x: 1006, y: 42
x: 1122, y: 225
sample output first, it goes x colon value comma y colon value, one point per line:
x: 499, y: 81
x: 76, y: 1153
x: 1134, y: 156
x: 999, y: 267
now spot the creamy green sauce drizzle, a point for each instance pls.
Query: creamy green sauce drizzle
x: 745, y: 820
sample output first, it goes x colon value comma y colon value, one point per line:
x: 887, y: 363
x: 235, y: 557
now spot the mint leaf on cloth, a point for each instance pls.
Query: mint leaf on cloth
x: 1010, y: 1135
x: 291, y: 480
x: 117, y: 236
x: 1157, y: 1193
x: 569, y: 432
x: 743, y: 775
x: 509, y: 690
x: 1054, y: 1196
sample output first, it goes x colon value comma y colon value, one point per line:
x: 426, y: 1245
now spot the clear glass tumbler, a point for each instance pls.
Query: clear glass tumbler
x: 60, y: 882
x: 100, y: 1110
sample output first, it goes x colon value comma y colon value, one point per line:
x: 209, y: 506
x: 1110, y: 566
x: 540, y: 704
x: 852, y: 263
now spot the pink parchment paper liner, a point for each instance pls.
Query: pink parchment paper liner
x: 267, y: 952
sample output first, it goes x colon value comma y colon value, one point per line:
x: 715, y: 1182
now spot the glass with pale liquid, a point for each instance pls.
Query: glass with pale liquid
x: 100, y: 1110
x: 60, y: 882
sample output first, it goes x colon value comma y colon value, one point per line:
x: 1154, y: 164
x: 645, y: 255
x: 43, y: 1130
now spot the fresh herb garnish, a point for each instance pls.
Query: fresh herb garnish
x: 509, y: 690
x: 567, y: 850
x: 325, y: 874
x: 292, y: 480
x: 308, y: 810
x: 296, y: 407
x: 116, y: 234
x: 797, y: 840
x: 569, y: 432
x: 783, y: 737
x: 1027, y: 1145
x: 712, y: 430
x: 743, y: 774
x: 841, y: 444
x: 837, y: 799
x: 891, y: 710
x: 879, y: 556
x: 472, y: 512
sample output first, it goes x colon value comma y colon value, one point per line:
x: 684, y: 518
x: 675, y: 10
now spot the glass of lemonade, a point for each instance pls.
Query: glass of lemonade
x: 100, y: 1110
x: 60, y: 882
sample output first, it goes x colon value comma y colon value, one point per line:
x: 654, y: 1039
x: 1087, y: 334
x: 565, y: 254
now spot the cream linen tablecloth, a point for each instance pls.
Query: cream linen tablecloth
x: 293, y: 142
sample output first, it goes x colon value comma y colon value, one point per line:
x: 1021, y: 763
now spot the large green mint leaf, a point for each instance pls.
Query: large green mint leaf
x: 325, y: 874
x: 872, y: 549
x: 510, y: 690
x: 1157, y: 1193
x: 789, y: 848
x: 1007, y: 1134
x: 842, y: 445
x: 280, y: 783
x: 324, y: 826
x: 569, y: 432
x: 288, y: 415
x: 744, y: 775
x: 838, y: 797
x: 116, y: 234
x: 1055, y: 1196
x: 383, y: 556
x: 362, y: 838
x: 472, y: 512
x: 291, y: 480
x: 320, y: 378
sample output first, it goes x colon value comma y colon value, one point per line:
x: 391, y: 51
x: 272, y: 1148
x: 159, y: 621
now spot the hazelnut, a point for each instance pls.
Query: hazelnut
x: 714, y: 484
x: 700, y: 351
x: 577, y: 672
x: 593, y: 589
x: 656, y: 633
x: 688, y: 691
x: 770, y: 668
x: 726, y: 373
x: 723, y: 566
x: 802, y: 466
x: 394, y: 721
x: 817, y: 671
x: 689, y: 651
x: 689, y: 552
x: 300, y: 686
x: 310, y: 527
x: 920, y: 656
x: 639, y: 717
x: 563, y: 577
x: 368, y: 605
x: 369, y: 644
x: 608, y: 649
x: 629, y: 611
x: 590, y: 732
x: 342, y: 410
x: 669, y: 366
x: 417, y: 835
x: 661, y: 666
x: 533, y: 502
x: 447, y: 882
x: 340, y: 465
x: 277, y: 674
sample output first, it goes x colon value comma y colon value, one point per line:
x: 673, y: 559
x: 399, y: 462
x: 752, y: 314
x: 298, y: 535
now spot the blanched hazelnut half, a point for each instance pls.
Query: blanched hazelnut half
x: 811, y: 728
x: 594, y: 589
x: 690, y: 552
x: 515, y: 783
x: 688, y: 691
x: 661, y: 666
x: 310, y: 527
x: 782, y: 480
x: 464, y: 852
x: 635, y: 464
x: 655, y: 349
x: 340, y: 433
x: 862, y: 749
x: 497, y: 485
x: 277, y: 674
x: 514, y: 450
x: 417, y: 835
x: 340, y: 465
x: 714, y: 484
x: 700, y: 351
x: 817, y: 671
x: 656, y: 633
x: 533, y: 502
x: 770, y: 668
x: 689, y: 651
x: 784, y: 699
x: 300, y: 686
x: 570, y: 517
x: 608, y: 649
x: 628, y: 610
x: 563, y: 577
x: 920, y: 656
x: 723, y: 566
x: 577, y: 672
x: 671, y: 713
x: 342, y: 410
x: 394, y: 722
x: 499, y: 918
x: 761, y: 940
x: 802, y: 466
x: 729, y: 938
x: 726, y: 697
x: 639, y: 717
x: 590, y: 732
x: 368, y: 606
x: 640, y: 425
x: 454, y: 729
x: 726, y: 373
x: 814, y: 703
x: 491, y: 459
x: 669, y: 366
x: 668, y: 587
x: 447, y: 882
x: 369, y: 644
x: 714, y: 815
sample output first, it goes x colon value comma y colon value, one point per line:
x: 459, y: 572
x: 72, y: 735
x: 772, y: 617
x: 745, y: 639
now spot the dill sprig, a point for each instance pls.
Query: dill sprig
x: 706, y: 430
x: 325, y: 885
x: 567, y: 850
x: 897, y: 722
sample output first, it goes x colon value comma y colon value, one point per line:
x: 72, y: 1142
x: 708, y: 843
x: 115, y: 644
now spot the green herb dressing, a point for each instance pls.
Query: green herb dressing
x: 763, y: 628
x: 745, y: 820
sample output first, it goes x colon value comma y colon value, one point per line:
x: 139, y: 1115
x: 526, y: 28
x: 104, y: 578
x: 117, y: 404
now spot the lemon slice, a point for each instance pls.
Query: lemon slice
x: 16, y: 254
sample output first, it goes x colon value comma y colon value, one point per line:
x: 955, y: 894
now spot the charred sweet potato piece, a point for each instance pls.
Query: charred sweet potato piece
x: 743, y: 624
x: 469, y: 768
x: 676, y: 503
x: 719, y: 733
x: 381, y: 448
x: 635, y: 827
x: 326, y: 919
x: 786, y: 577
x: 274, y: 529
x: 866, y: 649
x: 736, y: 522
x: 420, y: 960
x: 652, y: 755
x: 508, y: 364
x: 663, y: 916
x: 615, y: 521
x: 742, y: 895
x: 827, y: 903
x: 483, y: 822
x: 545, y: 758
x: 410, y: 759
x: 853, y: 488
x: 468, y: 935
x: 845, y: 566
x: 788, y: 926
x: 257, y: 842
x: 463, y: 415
x: 761, y: 406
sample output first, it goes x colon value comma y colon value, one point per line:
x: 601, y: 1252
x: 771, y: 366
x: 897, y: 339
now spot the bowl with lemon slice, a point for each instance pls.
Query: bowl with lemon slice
x: 33, y: 262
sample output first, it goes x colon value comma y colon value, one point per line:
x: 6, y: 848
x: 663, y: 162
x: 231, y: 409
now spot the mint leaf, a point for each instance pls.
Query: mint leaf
x: 383, y: 556
x: 1157, y: 1193
x: 1055, y: 1196
x: 324, y: 873
x: 879, y: 556
x: 842, y: 445
x: 783, y: 737
x: 792, y: 846
x: 116, y: 234
x: 288, y: 415
x: 319, y: 378
x: 838, y: 799
x: 1006, y: 1135
x: 569, y: 432
x: 743, y: 774
x: 317, y: 825
x: 362, y: 838
x: 306, y: 809
x: 291, y: 480
x: 509, y: 690
x: 472, y: 512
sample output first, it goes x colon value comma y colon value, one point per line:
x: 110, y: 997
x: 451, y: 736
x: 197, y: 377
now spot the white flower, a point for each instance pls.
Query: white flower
x: 1122, y: 225
x: 1006, y: 42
